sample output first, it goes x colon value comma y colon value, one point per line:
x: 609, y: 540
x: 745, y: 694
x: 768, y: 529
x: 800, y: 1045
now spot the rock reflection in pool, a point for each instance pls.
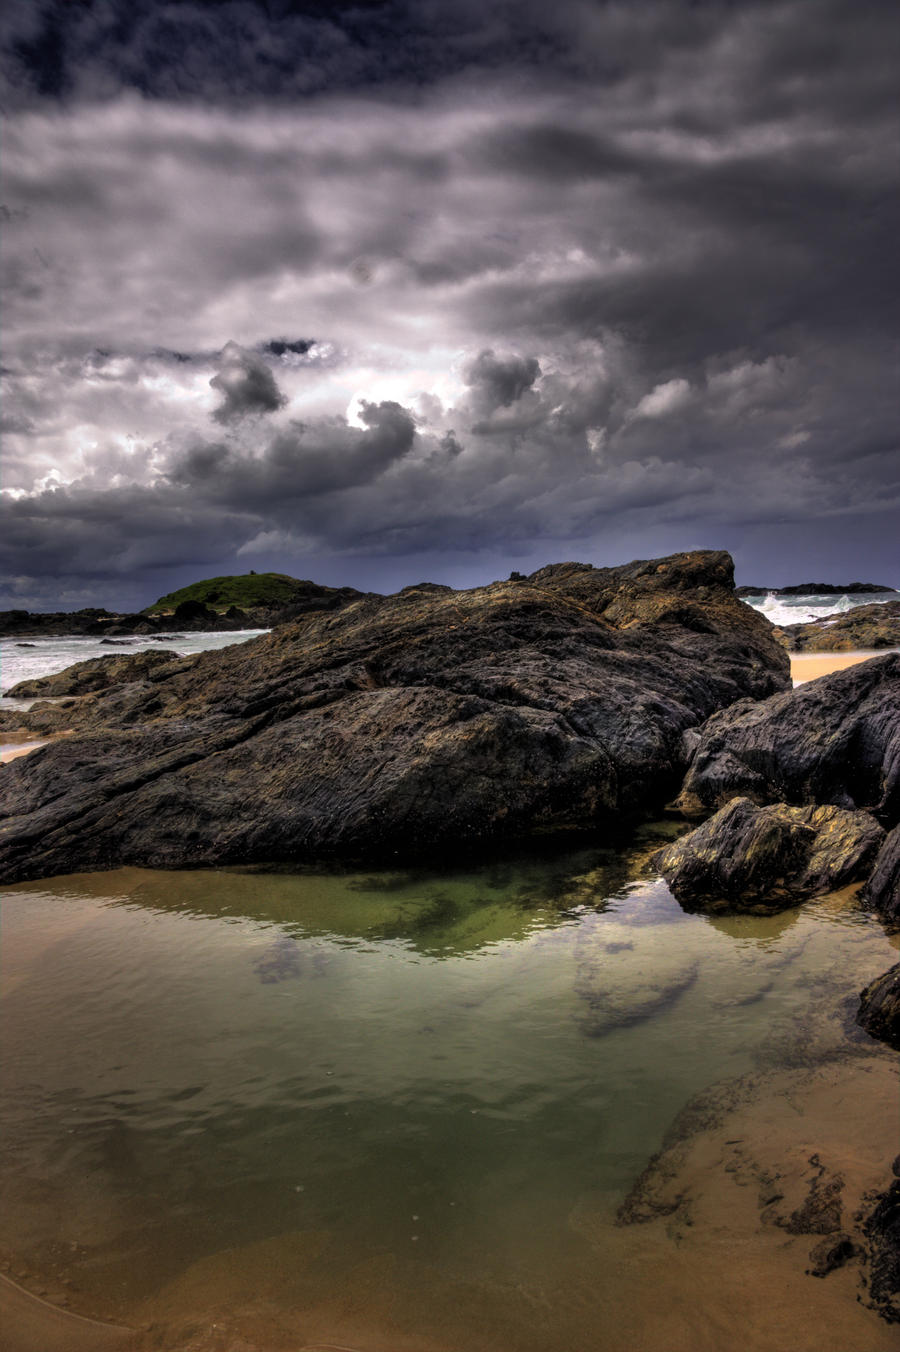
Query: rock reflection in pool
x: 406, y: 1146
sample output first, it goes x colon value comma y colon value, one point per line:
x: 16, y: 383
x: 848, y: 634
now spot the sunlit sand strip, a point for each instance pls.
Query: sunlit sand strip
x: 13, y: 751
x: 807, y: 666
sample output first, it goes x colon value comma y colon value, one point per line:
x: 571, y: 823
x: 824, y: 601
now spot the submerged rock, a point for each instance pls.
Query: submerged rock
x: 882, y: 891
x: 861, y: 629
x: 97, y: 673
x: 399, y: 725
x: 834, y: 740
x: 752, y: 857
x: 879, y: 1007
x: 625, y: 975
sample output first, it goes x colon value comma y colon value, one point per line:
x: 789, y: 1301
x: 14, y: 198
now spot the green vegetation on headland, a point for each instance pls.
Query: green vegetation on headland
x: 248, y: 601
x: 241, y: 590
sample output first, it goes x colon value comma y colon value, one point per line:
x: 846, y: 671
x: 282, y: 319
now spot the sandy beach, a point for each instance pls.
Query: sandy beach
x: 807, y: 666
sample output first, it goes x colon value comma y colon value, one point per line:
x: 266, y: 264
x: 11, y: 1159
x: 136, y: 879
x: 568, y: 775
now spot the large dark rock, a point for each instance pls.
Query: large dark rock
x: 882, y: 891
x: 862, y: 629
x: 400, y: 725
x: 748, y: 857
x: 97, y: 673
x: 879, y: 1007
x: 833, y: 740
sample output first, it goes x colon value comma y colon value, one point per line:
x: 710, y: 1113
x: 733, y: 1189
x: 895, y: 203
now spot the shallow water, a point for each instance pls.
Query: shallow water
x: 227, y: 1088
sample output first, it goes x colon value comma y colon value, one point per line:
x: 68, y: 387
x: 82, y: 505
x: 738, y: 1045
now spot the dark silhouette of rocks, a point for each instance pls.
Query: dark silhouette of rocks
x: 817, y: 589
x: 398, y: 726
x: 864, y: 628
x: 191, y: 616
x: 879, y: 1007
x: 748, y: 857
x: 833, y: 740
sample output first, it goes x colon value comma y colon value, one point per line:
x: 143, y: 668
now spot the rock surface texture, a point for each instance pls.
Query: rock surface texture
x: 399, y: 725
x: 882, y: 891
x: 749, y: 857
x: 879, y: 1007
x: 863, y: 629
x: 835, y: 740
x: 883, y: 1231
x: 97, y: 673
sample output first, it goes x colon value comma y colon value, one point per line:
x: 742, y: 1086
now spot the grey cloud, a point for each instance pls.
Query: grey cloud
x: 657, y: 241
x: 299, y: 462
x: 499, y: 381
x: 246, y: 384
x: 279, y: 347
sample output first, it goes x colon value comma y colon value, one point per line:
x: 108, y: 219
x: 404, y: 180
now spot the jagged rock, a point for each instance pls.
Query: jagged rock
x: 400, y: 725
x: 748, y: 856
x: 864, y: 629
x: 879, y: 1007
x: 833, y: 740
x: 882, y: 891
x: 883, y: 1232
x: 97, y: 673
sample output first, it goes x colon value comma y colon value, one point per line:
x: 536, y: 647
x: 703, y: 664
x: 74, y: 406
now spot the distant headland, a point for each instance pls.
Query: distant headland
x: 263, y: 600
x: 244, y: 601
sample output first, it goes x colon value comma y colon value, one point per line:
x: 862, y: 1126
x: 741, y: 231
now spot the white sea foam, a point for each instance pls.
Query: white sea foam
x: 783, y: 610
x: 25, y: 659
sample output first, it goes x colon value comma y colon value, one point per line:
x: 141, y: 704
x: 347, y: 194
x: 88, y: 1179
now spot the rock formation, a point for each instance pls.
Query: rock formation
x: 397, y: 726
x: 97, y: 673
x: 748, y: 857
x: 882, y: 891
x: 834, y: 740
x: 879, y: 1007
x: 862, y: 629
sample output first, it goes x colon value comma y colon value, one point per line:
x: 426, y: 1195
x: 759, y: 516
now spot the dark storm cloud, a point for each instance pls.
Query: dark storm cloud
x: 298, y: 462
x: 601, y: 279
x: 497, y: 382
x: 280, y: 347
x: 246, y: 384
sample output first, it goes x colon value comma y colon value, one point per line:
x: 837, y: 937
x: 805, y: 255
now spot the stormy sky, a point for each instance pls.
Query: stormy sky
x: 378, y: 292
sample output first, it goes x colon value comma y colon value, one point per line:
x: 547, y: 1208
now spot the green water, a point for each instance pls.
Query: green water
x: 408, y: 1081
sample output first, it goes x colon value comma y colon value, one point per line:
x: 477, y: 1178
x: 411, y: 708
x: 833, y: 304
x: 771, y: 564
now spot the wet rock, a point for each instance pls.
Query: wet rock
x: 398, y: 726
x: 882, y: 891
x: 832, y: 1253
x: 879, y: 1007
x: 883, y: 1232
x: 97, y: 673
x: 821, y: 1212
x: 752, y: 857
x: 864, y: 628
x: 835, y: 740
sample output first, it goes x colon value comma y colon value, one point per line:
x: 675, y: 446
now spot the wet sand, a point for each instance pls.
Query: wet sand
x: 29, y: 1324
x: 707, y: 1260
